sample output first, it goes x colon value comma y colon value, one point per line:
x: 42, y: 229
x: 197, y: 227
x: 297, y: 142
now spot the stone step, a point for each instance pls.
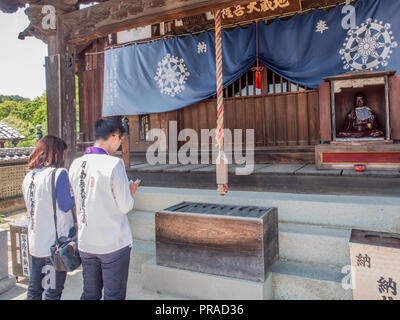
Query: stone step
x: 287, y: 280
x: 340, y: 211
x: 314, y: 244
x: 196, y: 285
x: 302, y: 281
x: 297, y: 242
x: 142, y: 251
x: 314, y: 231
x: 142, y: 225
x: 7, y: 283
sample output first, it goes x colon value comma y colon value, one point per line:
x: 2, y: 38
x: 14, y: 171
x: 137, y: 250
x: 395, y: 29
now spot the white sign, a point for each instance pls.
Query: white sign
x: 25, y: 255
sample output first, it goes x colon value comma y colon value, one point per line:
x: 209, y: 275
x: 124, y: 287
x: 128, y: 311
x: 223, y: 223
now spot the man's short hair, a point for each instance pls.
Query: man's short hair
x: 103, y: 128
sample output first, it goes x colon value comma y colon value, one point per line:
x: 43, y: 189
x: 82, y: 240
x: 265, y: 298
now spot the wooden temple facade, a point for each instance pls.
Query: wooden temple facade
x: 284, y: 115
x: 290, y: 123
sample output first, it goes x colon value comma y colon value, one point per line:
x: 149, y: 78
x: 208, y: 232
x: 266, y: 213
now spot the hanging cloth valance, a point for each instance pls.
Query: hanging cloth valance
x: 170, y: 74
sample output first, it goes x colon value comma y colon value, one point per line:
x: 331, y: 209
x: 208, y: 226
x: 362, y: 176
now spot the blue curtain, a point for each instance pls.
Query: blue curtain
x: 299, y: 51
x: 174, y: 73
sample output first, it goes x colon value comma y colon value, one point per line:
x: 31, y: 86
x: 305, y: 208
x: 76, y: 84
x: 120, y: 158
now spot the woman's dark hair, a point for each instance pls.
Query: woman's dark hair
x: 103, y: 128
x: 49, y: 151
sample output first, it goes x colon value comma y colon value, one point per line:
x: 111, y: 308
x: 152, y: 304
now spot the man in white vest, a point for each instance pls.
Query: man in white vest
x: 103, y: 197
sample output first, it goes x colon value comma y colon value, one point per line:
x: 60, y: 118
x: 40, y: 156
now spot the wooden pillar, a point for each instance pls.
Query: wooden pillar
x: 394, y: 103
x: 52, y: 63
x: 60, y: 87
x: 325, y: 117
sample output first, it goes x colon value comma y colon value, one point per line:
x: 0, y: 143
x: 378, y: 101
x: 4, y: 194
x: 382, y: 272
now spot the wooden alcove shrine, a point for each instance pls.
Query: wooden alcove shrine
x: 336, y: 100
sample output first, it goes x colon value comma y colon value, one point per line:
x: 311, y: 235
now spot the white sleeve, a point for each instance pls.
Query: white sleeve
x: 120, y: 188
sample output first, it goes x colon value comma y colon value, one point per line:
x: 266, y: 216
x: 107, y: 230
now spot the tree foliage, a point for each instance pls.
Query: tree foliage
x: 15, y: 98
x: 24, y: 117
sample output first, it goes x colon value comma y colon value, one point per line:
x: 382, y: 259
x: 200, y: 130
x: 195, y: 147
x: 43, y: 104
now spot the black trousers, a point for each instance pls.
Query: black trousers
x: 108, y: 271
x: 45, y: 279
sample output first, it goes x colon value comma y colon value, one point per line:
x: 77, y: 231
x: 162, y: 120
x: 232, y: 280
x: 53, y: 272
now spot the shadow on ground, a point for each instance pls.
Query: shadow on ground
x: 74, y: 285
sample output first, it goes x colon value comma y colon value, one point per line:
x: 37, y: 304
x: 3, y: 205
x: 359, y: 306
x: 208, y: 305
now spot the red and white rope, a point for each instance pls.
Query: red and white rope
x: 222, y: 188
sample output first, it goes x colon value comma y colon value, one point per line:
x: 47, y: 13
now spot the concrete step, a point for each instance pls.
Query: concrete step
x: 314, y: 244
x: 301, y: 281
x: 339, y: 211
x: 142, y: 225
x: 7, y: 283
x: 196, y: 285
x: 297, y: 242
x: 287, y: 280
x: 142, y: 251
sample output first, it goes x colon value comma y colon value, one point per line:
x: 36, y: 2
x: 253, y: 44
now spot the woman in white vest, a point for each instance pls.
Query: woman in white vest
x: 47, y: 156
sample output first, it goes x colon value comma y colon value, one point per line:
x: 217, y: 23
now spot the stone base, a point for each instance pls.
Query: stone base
x: 3, y: 254
x: 7, y: 283
x: 196, y: 285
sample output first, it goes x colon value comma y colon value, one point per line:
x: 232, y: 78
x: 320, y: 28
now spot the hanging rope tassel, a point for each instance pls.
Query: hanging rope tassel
x: 221, y: 161
x: 258, y: 68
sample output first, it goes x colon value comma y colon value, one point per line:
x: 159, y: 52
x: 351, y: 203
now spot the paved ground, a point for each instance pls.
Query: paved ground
x: 73, y: 289
x: 74, y: 282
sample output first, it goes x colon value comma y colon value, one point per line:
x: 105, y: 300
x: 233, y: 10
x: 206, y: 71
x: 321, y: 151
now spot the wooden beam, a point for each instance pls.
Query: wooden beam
x: 118, y: 15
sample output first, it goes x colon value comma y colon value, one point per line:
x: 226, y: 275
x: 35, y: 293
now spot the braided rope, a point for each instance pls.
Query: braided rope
x: 222, y: 188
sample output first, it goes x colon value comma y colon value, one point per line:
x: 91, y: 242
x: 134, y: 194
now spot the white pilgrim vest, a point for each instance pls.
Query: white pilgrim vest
x: 39, y: 203
x: 103, y: 199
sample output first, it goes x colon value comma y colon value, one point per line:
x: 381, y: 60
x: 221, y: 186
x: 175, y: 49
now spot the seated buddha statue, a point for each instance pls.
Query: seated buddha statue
x: 361, y: 121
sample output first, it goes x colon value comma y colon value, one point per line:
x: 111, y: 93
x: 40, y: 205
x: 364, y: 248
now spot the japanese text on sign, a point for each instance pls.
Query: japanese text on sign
x: 259, y: 9
x: 363, y: 261
x: 25, y: 255
x: 388, y: 288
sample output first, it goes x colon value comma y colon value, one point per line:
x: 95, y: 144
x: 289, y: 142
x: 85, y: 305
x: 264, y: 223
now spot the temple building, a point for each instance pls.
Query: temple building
x: 305, y: 92
x: 9, y: 134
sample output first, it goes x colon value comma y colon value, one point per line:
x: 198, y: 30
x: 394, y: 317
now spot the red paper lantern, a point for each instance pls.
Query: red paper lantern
x: 258, y: 80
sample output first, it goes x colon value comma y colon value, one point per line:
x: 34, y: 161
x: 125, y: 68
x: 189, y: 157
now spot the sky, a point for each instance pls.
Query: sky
x: 21, y: 61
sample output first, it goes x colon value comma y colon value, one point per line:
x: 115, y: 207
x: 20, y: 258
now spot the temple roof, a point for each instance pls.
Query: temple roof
x: 14, y: 154
x: 8, y: 133
x: 105, y: 17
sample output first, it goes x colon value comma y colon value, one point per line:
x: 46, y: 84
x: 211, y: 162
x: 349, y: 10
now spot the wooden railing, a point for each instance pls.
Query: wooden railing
x: 286, y: 119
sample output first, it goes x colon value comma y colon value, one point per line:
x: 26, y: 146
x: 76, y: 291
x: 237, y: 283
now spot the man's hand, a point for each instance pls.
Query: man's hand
x: 133, y: 188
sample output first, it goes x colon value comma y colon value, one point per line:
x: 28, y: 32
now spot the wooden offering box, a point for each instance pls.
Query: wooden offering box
x: 227, y: 240
x: 375, y: 260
